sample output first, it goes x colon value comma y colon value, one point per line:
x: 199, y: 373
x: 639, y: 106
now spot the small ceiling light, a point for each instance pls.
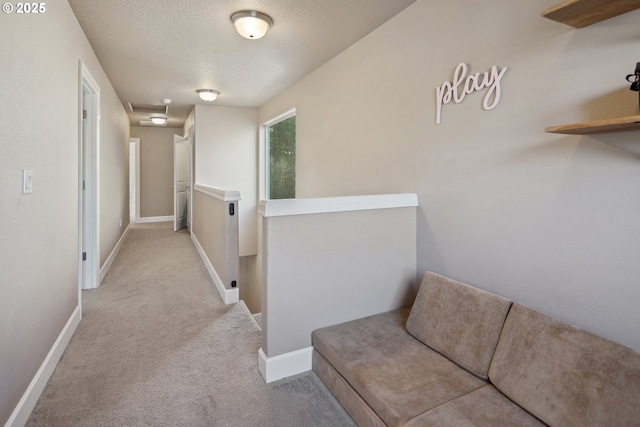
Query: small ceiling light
x: 159, y: 120
x: 251, y: 24
x: 208, y: 94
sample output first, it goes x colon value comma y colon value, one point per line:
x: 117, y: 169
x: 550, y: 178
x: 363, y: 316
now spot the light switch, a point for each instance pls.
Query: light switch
x: 27, y: 182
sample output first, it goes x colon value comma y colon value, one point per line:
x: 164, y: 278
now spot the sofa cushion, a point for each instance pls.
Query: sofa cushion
x: 351, y: 401
x: 459, y: 321
x: 483, y: 407
x: 398, y: 376
x: 566, y: 376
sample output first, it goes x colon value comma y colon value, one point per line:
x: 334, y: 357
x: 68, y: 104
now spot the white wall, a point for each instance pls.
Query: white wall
x: 39, y: 232
x: 226, y: 158
x: 550, y: 221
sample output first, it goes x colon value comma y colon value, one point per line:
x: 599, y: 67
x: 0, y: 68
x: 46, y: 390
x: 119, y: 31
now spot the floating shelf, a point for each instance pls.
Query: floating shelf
x: 599, y: 126
x: 581, y: 13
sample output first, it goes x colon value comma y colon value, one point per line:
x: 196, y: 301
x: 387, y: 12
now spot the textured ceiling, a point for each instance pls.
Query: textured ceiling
x: 155, y: 49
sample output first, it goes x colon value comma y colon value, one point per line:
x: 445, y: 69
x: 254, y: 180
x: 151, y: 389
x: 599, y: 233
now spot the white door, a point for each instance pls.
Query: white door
x: 89, y: 185
x: 189, y: 177
x: 88, y: 281
x: 133, y: 194
x: 180, y: 175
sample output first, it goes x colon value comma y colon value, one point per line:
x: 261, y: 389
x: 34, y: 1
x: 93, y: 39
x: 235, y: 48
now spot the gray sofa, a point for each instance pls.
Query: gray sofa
x: 461, y: 356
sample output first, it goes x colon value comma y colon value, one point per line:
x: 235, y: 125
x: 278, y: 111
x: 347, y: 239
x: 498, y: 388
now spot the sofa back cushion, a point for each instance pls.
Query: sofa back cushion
x: 563, y: 375
x: 459, y: 321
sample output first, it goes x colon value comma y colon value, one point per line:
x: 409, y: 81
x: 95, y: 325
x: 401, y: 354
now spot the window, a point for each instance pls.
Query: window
x: 281, y: 159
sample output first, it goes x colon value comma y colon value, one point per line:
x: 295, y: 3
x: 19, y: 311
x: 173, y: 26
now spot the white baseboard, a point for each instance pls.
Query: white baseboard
x: 155, y: 219
x: 30, y: 397
x: 284, y: 365
x: 107, y: 264
x: 229, y: 296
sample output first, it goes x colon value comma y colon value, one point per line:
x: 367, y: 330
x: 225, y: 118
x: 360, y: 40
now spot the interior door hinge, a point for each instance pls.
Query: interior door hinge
x: 84, y: 184
x: 84, y: 114
x: 232, y: 209
x: 84, y: 256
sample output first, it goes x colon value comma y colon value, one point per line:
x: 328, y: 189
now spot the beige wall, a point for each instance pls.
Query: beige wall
x: 215, y: 233
x: 250, y: 284
x: 320, y: 269
x: 209, y: 227
x: 114, y: 169
x: 156, y: 169
x: 39, y: 110
x: 225, y: 147
x: 550, y: 221
x: 226, y: 142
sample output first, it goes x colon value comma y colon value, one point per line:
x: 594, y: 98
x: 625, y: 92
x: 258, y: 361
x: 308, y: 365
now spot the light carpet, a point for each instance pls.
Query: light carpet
x: 157, y: 347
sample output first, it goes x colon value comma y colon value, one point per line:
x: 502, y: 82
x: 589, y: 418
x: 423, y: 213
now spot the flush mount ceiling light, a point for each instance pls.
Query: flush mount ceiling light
x: 208, y: 94
x: 159, y: 120
x: 251, y: 24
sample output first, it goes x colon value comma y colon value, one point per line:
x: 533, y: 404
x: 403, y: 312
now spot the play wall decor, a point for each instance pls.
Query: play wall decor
x: 463, y: 85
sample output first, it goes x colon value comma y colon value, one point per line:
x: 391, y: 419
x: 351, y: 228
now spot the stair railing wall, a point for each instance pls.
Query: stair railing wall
x: 327, y: 261
x: 215, y: 235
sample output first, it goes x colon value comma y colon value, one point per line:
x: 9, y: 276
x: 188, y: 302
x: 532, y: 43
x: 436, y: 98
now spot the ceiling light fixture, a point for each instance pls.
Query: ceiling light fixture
x: 251, y: 24
x: 208, y: 94
x: 159, y: 120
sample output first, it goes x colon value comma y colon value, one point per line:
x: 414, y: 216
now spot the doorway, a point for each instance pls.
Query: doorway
x: 134, y: 180
x: 88, y: 185
x: 180, y: 181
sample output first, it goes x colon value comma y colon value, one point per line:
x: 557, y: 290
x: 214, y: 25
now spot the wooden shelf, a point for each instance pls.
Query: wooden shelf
x: 578, y: 14
x: 599, y: 126
x: 581, y: 13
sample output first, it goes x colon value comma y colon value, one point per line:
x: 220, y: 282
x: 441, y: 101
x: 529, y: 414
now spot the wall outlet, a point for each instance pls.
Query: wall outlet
x: 27, y: 182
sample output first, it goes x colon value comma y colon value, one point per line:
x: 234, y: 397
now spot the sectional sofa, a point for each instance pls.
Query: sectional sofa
x: 461, y: 356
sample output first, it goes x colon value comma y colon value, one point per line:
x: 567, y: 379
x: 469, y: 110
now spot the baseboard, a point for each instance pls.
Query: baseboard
x: 284, y: 365
x: 107, y: 264
x: 30, y: 397
x: 155, y: 219
x: 229, y: 296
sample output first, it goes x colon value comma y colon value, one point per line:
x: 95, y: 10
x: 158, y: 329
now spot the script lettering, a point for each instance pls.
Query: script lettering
x: 462, y: 85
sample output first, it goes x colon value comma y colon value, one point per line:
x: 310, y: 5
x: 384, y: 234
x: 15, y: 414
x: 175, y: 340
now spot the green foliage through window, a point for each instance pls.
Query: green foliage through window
x: 281, y: 143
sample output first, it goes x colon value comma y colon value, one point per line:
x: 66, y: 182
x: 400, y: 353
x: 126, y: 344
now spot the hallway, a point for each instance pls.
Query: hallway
x: 157, y: 347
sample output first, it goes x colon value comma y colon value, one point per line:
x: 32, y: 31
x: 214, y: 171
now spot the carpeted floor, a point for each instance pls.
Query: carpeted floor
x: 157, y: 347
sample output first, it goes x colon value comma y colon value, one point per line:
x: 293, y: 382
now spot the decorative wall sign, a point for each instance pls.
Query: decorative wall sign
x: 460, y: 86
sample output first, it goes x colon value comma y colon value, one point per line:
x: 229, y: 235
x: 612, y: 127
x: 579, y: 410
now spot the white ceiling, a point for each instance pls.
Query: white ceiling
x: 155, y: 49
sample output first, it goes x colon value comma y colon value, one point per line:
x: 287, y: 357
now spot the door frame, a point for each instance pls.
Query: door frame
x: 89, y: 192
x: 190, y: 178
x: 136, y: 141
x: 177, y: 139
